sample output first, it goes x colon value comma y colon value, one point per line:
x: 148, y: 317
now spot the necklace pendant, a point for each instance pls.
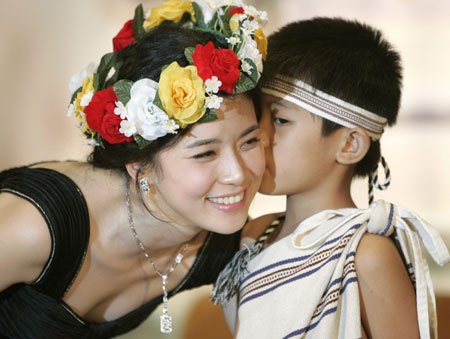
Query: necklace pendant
x: 166, y: 323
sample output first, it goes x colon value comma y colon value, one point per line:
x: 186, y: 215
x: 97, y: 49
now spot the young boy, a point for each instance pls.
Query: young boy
x: 327, y: 269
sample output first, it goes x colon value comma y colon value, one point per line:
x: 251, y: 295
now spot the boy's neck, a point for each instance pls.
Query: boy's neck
x: 304, y: 205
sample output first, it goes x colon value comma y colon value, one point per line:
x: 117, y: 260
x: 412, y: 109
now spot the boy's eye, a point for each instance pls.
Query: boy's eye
x: 280, y: 121
x: 204, y: 155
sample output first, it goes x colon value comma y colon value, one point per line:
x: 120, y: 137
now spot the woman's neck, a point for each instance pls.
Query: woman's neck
x: 158, y: 234
x: 153, y: 226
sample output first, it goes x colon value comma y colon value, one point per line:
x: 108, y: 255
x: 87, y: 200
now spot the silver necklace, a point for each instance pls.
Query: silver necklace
x: 165, y: 318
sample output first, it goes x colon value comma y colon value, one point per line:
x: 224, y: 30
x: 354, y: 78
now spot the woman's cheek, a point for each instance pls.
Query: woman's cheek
x: 200, y: 181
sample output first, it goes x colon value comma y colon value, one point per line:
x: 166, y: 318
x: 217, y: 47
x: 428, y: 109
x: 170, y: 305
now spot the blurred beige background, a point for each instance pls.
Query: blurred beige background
x: 44, y: 42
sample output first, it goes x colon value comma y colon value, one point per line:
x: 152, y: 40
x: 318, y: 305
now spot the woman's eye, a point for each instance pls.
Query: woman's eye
x: 204, y: 155
x: 250, y: 142
x: 280, y: 121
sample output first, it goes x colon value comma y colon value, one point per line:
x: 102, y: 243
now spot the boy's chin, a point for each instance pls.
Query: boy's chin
x: 268, y: 185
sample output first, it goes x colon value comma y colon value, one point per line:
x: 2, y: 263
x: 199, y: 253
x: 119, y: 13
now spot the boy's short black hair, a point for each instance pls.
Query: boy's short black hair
x: 346, y: 59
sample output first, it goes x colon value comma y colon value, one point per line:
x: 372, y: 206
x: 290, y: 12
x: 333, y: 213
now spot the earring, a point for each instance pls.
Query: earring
x: 143, y: 184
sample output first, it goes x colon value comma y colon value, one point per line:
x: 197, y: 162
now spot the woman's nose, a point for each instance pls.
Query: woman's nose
x: 233, y: 170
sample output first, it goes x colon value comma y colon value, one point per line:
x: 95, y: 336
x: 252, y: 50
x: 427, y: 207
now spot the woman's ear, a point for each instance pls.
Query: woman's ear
x: 356, y: 144
x: 133, y: 169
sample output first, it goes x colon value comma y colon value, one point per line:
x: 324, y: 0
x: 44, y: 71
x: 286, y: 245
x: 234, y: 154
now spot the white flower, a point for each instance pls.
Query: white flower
x: 212, y: 85
x: 171, y: 126
x: 82, y: 121
x: 127, y: 128
x: 150, y: 121
x: 213, y: 101
x: 86, y: 99
x: 207, y: 10
x: 92, y: 142
x: 250, y: 50
x: 147, y: 14
x: 76, y: 81
x: 260, y: 16
x: 120, y: 110
x: 71, y: 110
x: 246, y: 67
x: 233, y: 40
x: 250, y: 26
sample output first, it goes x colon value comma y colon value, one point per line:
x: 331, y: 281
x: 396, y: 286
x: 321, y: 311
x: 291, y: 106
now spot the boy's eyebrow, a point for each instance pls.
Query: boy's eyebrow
x: 204, y: 142
x: 278, y: 103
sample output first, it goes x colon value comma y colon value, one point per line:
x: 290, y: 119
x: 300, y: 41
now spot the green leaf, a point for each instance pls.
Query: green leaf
x: 199, y: 15
x: 138, y: 22
x: 244, y: 84
x: 157, y: 101
x: 188, y: 54
x: 254, y: 71
x: 210, y: 115
x: 142, y: 143
x: 74, y: 95
x: 226, y: 25
x: 106, y: 63
x: 96, y: 82
x: 122, y: 89
x: 99, y: 139
x: 247, y: 82
x: 115, y: 76
x: 220, y: 37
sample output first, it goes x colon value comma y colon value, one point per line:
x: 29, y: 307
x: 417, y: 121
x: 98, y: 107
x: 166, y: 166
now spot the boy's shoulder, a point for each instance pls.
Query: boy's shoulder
x: 386, y: 255
x: 256, y: 227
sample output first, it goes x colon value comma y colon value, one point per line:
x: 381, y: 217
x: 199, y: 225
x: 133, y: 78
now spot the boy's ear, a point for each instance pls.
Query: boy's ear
x: 355, y: 145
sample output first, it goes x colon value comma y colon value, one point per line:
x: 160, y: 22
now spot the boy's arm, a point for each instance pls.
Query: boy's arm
x: 387, y: 297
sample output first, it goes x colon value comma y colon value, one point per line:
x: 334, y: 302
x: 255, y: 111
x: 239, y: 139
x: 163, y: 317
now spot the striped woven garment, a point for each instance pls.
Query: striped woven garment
x: 305, y: 285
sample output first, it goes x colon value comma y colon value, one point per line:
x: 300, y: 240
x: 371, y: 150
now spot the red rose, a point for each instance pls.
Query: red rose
x: 236, y: 10
x: 125, y: 37
x: 223, y: 63
x: 101, y: 118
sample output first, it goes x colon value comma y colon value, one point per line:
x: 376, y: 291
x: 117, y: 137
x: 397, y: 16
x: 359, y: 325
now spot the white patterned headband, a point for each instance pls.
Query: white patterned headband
x: 324, y: 105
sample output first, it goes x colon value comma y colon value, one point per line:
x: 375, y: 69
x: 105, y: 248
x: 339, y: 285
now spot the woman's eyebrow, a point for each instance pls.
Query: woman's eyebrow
x: 248, y: 131
x: 204, y: 142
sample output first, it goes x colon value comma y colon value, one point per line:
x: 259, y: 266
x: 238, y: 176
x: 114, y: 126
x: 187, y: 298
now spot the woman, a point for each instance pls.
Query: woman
x: 90, y: 249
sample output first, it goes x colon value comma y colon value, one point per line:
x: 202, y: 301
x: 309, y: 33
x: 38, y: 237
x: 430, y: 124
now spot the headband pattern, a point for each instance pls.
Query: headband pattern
x: 324, y: 105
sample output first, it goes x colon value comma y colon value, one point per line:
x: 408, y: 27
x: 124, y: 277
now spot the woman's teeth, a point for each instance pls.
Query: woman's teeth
x: 228, y: 200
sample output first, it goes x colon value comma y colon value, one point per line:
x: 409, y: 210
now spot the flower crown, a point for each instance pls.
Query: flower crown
x: 122, y: 110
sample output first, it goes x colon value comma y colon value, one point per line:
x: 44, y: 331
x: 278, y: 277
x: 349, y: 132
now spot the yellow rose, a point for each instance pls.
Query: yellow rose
x: 81, y: 101
x: 261, y: 42
x: 170, y: 10
x: 182, y: 94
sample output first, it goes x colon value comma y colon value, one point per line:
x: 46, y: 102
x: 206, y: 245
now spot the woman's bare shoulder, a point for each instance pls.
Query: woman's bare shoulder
x: 25, y: 241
